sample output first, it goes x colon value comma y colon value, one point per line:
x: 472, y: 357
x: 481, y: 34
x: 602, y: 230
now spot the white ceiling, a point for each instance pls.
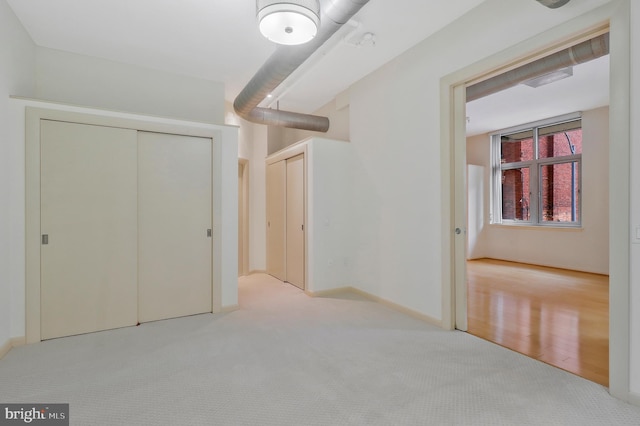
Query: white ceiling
x: 219, y: 40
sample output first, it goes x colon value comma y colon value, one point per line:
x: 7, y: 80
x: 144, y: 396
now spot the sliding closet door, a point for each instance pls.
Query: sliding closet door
x: 88, y: 222
x: 174, y: 207
x: 295, y: 221
x: 241, y: 220
x: 276, y: 200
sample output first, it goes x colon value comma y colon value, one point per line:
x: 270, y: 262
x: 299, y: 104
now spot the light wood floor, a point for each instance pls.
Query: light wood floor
x: 556, y: 316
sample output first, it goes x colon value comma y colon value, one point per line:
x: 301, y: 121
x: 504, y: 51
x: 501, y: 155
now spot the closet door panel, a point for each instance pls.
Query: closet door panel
x: 89, y: 217
x: 174, y: 202
x: 295, y: 221
x: 276, y: 219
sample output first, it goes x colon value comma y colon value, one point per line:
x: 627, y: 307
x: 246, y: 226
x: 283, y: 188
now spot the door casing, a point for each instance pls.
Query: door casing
x: 613, y: 17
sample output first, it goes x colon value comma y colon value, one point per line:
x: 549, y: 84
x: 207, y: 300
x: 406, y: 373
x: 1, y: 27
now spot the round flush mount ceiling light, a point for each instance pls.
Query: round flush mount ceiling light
x: 289, y: 22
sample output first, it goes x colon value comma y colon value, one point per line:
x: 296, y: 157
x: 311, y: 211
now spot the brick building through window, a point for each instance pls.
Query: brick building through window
x: 539, y: 174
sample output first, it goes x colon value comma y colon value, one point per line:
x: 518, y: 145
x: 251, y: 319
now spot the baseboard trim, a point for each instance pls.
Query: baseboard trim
x: 634, y: 398
x: 5, y: 348
x: 327, y: 293
x: 230, y: 308
x: 257, y: 271
x: 378, y: 299
x: 408, y: 311
x: 18, y: 341
x: 14, y: 342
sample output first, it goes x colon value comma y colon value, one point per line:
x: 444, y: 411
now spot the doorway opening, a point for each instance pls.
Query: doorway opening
x: 453, y: 130
x: 537, y: 241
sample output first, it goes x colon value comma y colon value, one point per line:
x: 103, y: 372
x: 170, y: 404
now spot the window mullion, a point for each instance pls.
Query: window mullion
x: 496, y: 177
x: 534, y: 185
x: 560, y: 160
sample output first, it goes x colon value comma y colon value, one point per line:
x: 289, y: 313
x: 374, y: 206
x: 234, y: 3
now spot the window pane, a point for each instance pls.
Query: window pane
x: 517, y: 147
x: 560, y: 140
x: 515, y: 194
x: 560, y: 192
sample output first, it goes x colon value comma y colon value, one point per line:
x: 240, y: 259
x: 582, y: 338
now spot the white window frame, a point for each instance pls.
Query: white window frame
x: 535, y: 166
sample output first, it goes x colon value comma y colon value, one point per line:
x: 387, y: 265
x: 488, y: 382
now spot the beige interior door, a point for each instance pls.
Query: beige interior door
x: 295, y: 221
x: 240, y: 219
x: 174, y: 208
x: 276, y: 216
x: 460, y: 211
x: 89, y: 217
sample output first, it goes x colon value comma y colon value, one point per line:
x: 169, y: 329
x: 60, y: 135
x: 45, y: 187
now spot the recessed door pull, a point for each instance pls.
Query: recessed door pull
x: 209, y: 233
x: 45, y: 239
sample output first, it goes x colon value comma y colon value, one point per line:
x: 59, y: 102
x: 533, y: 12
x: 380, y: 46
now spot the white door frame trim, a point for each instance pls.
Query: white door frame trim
x: 615, y: 16
x: 244, y: 261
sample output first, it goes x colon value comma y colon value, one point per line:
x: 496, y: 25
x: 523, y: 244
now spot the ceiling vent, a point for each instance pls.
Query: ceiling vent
x: 549, y: 78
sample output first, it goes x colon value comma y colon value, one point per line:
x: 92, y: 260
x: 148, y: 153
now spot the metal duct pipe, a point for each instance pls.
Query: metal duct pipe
x: 574, y: 55
x: 285, y: 60
x: 553, y: 4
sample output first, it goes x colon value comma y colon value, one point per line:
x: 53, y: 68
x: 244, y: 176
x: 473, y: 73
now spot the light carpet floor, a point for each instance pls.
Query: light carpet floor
x: 284, y: 358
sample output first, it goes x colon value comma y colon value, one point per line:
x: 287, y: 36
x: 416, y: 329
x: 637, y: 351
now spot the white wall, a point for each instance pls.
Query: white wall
x: 635, y: 202
x: 395, y: 132
x: 329, y: 200
x: 275, y: 139
x: 478, y: 203
x: 83, y: 80
x: 225, y: 215
x: 252, y: 146
x: 476, y: 210
x: 17, y: 77
x: 328, y: 176
x: 258, y: 201
x: 585, y: 249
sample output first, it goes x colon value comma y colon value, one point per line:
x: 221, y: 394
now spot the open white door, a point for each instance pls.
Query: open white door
x: 460, y: 209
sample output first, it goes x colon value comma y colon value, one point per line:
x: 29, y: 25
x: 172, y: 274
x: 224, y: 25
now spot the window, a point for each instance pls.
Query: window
x: 536, y: 173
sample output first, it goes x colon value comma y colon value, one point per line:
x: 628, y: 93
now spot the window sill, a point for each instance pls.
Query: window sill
x: 538, y: 227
